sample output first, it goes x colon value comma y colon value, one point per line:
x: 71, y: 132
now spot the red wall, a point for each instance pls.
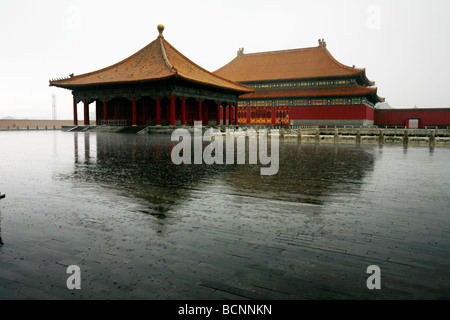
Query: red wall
x: 352, y: 112
x: 399, y: 117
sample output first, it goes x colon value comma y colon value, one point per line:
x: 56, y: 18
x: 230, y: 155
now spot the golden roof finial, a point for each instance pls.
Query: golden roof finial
x: 160, y: 29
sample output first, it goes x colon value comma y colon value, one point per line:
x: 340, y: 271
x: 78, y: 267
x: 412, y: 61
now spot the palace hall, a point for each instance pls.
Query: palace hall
x: 156, y: 86
x: 301, y: 87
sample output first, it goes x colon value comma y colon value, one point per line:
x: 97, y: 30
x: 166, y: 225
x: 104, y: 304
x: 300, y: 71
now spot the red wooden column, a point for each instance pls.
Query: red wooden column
x: 183, y: 111
x: 248, y: 115
x: 231, y: 113
x: 225, y: 118
x: 86, y: 113
x: 219, y: 116
x: 200, y: 116
x: 75, y: 112
x: 158, y: 111
x: 273, y: 115
x: 172, y: 111
x: 97, y: 113
x: 105, y: 111
x: 206, y: 115
x: 134, y: 112
x: 236, y: 114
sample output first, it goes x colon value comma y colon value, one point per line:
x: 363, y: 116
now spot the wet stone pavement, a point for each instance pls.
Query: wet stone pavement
x: 140, y: 227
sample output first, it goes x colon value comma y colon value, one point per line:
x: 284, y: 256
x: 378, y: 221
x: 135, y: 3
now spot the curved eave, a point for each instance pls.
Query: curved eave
x: 244, y: 90
x: 364, y: 91
x: 377, y: 98
x: 96, y: 84
x: 364, y: 79
x: 351, y: 70
x: 369, y: 84
x: 357, y: 73
x: 205, y: 84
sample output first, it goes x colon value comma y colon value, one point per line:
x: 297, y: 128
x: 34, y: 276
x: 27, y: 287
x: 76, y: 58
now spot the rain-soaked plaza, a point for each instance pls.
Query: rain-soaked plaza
x: 141, y: 227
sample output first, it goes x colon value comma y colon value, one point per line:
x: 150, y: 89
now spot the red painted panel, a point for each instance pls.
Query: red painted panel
x: 399, y: 117
x: 370, y: 113
x: 350, y: 112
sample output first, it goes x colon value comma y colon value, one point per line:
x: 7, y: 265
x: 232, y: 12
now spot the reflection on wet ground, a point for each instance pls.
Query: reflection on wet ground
x: 141, y: 227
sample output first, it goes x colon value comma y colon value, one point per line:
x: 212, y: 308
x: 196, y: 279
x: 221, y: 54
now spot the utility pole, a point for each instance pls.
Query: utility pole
x: 54, y: 106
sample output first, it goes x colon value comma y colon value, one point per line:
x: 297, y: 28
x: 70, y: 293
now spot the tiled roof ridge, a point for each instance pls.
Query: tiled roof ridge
x: 244, y: 55
x: 277, y: 51
x: 202, y: 69
x: 109, y: 67
x: 163, y: 50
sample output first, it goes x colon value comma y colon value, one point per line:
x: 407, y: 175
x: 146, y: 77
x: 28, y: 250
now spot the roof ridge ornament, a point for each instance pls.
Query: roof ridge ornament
x: 160, y: 30
x: 163, y: 50
x: 322, y: 43
x: 240, y: 52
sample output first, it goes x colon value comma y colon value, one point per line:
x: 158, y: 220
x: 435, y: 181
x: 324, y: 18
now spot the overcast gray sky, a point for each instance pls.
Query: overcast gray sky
x: 403, y: 44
